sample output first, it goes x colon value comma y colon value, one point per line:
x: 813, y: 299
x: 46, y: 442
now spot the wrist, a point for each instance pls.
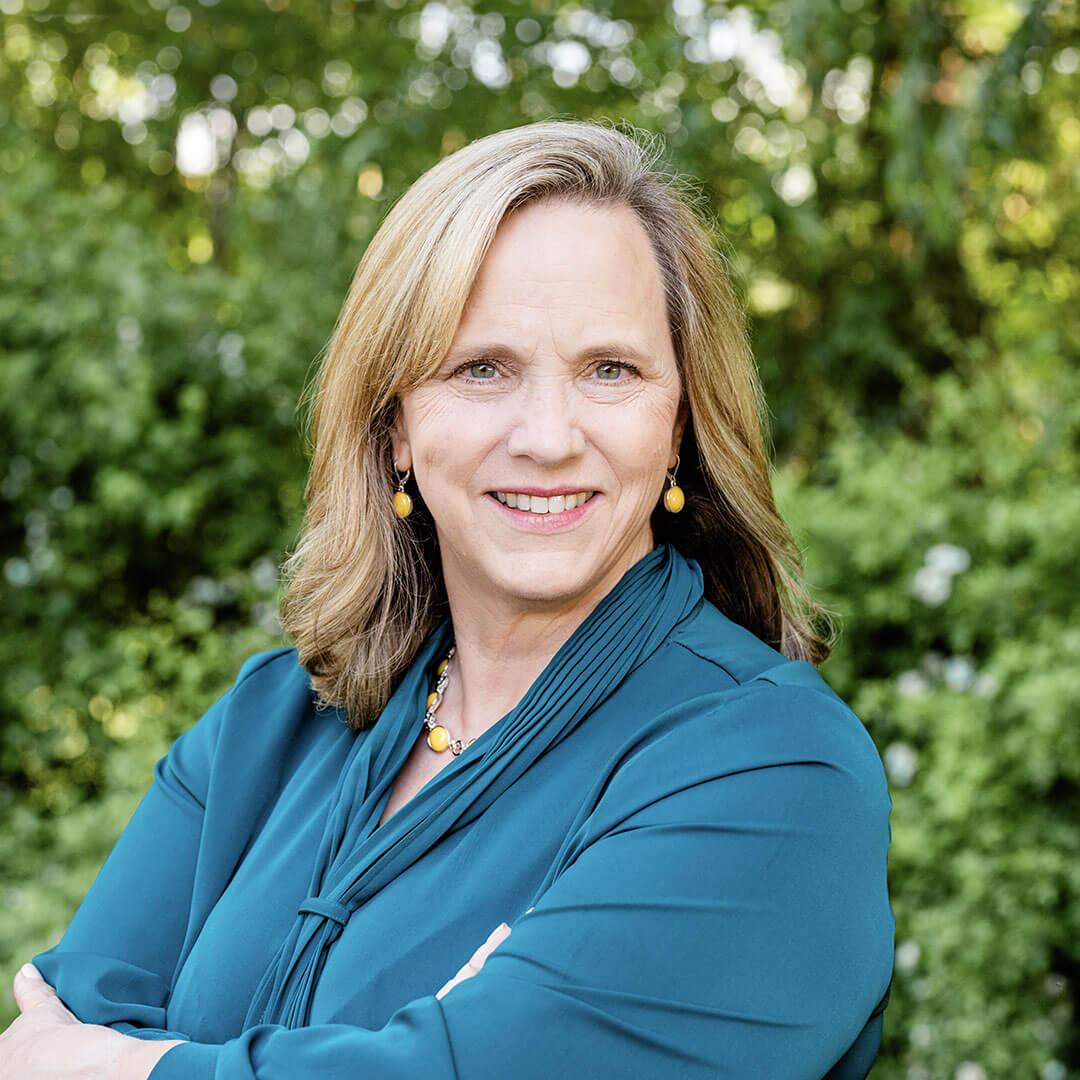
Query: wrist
x: 139, y: 1059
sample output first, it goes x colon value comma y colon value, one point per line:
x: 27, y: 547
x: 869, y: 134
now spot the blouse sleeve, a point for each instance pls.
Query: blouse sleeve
x: 115, y: 962
x: 722, y: 911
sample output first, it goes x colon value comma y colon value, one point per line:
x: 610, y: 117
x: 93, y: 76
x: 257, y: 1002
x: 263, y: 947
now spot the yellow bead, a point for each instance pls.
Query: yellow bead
x: 402, y: 504
x: 443, y: 664
x: 673, y: 499
x: 438, y: 738
x: 432, y: 698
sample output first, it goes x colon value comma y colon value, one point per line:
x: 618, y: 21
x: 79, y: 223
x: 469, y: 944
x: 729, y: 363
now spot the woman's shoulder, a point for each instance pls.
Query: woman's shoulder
x: 275, y: 665
x: 255, y: 718
x: 736, y: 651
x: 272, y: 692
x: 266, y: 719
x: 275, y: 677
x: 762, y: 707
x: 749, y: 736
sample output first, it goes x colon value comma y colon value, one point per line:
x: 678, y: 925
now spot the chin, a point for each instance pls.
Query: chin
x: 539, y: 576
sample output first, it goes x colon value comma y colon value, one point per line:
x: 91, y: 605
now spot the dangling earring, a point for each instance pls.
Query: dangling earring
x: 402, y: 501
x: 674, y: 500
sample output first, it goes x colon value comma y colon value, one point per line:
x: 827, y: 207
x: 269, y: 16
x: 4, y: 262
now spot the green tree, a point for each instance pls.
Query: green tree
x: 185, y: 190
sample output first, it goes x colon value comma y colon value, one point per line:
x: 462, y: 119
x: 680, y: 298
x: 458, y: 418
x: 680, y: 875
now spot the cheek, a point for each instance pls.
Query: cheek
x: 451, y: 438
x: 637, y: 441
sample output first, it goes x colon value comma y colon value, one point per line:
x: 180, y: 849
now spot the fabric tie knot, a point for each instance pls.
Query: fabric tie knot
x: 319, y: 905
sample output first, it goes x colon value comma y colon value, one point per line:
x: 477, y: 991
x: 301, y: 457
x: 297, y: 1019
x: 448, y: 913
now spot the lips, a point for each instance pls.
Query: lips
x: 535, y: 503
x: 536, y: 521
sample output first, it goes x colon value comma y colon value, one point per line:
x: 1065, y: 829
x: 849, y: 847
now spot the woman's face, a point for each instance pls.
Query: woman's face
x: 561, y: 378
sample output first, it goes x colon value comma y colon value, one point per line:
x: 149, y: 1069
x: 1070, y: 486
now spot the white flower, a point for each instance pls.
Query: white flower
x: 931, y: 585
x: 907, y: 955
x: 934, y: 663
x: 901, y: 761
x: 912, y: 683
x: 959, y: 673
x: 948, y: 558
x: 204, y: 590
x: 920, y: 1034
x: 264, y: 573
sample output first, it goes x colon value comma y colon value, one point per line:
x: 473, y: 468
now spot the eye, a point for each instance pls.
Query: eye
x: 473, y: 365
x: 609, y: 364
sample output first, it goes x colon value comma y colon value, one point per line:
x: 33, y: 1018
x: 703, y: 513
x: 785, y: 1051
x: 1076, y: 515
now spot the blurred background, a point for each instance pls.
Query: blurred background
x: 185, y: 191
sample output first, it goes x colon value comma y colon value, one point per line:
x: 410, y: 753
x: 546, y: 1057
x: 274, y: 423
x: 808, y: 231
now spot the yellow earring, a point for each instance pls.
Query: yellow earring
x: 674, y: 500
x: 402, y: 502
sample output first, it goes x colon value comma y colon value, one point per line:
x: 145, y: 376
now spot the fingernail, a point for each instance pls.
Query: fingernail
x: 30, y: 971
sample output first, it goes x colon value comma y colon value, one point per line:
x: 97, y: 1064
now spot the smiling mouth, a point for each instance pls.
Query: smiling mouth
x: 541, y: 505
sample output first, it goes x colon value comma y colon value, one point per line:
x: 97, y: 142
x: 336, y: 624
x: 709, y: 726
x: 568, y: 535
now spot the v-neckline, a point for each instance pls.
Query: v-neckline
x: 384, y: 803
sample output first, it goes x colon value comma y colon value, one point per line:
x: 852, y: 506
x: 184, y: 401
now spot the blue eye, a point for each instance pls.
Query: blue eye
x: 616, y: 364
x: 476, y: 364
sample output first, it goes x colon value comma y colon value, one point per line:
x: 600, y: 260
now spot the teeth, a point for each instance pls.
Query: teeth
x: 538, y: 504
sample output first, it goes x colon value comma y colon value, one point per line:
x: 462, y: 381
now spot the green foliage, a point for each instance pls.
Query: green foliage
x: 952, y: 563
x: 898, y: 184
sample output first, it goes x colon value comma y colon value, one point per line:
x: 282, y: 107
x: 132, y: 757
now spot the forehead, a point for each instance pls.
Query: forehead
x: 565, y: 273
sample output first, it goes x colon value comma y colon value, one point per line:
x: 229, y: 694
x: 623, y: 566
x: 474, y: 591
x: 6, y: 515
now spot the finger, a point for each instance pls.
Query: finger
x: 476, y: 962
x: 499, y: 934
x: 31, y: 988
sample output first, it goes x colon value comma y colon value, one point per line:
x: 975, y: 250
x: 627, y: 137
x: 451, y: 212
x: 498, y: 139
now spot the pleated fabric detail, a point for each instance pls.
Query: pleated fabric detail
x: 356, y: 859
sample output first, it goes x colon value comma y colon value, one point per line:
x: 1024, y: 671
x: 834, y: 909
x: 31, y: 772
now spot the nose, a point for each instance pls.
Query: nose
x: 545, y: 424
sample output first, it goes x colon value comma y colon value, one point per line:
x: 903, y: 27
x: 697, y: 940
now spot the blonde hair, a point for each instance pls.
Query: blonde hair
x: 364, y: 588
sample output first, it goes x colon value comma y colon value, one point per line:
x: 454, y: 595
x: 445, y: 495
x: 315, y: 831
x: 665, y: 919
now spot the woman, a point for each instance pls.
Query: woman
x: 554, y: 673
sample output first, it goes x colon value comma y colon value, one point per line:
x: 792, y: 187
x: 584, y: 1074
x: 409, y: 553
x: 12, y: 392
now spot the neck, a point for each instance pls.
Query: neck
x: 502, y: 646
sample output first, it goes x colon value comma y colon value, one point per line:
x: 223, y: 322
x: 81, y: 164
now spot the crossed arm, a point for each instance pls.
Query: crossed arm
x: 48, y: 1038
x: 725, y: 912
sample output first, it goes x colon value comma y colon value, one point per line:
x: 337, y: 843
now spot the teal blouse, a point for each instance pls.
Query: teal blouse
x: 699, y: 825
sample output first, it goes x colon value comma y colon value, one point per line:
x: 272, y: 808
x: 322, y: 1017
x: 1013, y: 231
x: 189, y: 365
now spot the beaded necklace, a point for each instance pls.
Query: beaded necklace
x: 438, y: 738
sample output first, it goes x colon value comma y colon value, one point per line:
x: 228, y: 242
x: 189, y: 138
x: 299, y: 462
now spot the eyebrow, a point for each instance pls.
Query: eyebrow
x: 499, y: 351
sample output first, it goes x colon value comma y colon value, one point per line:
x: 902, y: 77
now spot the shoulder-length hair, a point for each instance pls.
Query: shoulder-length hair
x: 364, y: 588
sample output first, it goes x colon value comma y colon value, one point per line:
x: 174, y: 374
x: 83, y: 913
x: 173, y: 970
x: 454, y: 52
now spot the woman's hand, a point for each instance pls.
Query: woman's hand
x: 476, y: 961
x: 48, y: 1042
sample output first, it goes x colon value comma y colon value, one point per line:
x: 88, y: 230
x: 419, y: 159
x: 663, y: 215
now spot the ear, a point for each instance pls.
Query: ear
x: 680, y: 426
x: 399, y: 440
